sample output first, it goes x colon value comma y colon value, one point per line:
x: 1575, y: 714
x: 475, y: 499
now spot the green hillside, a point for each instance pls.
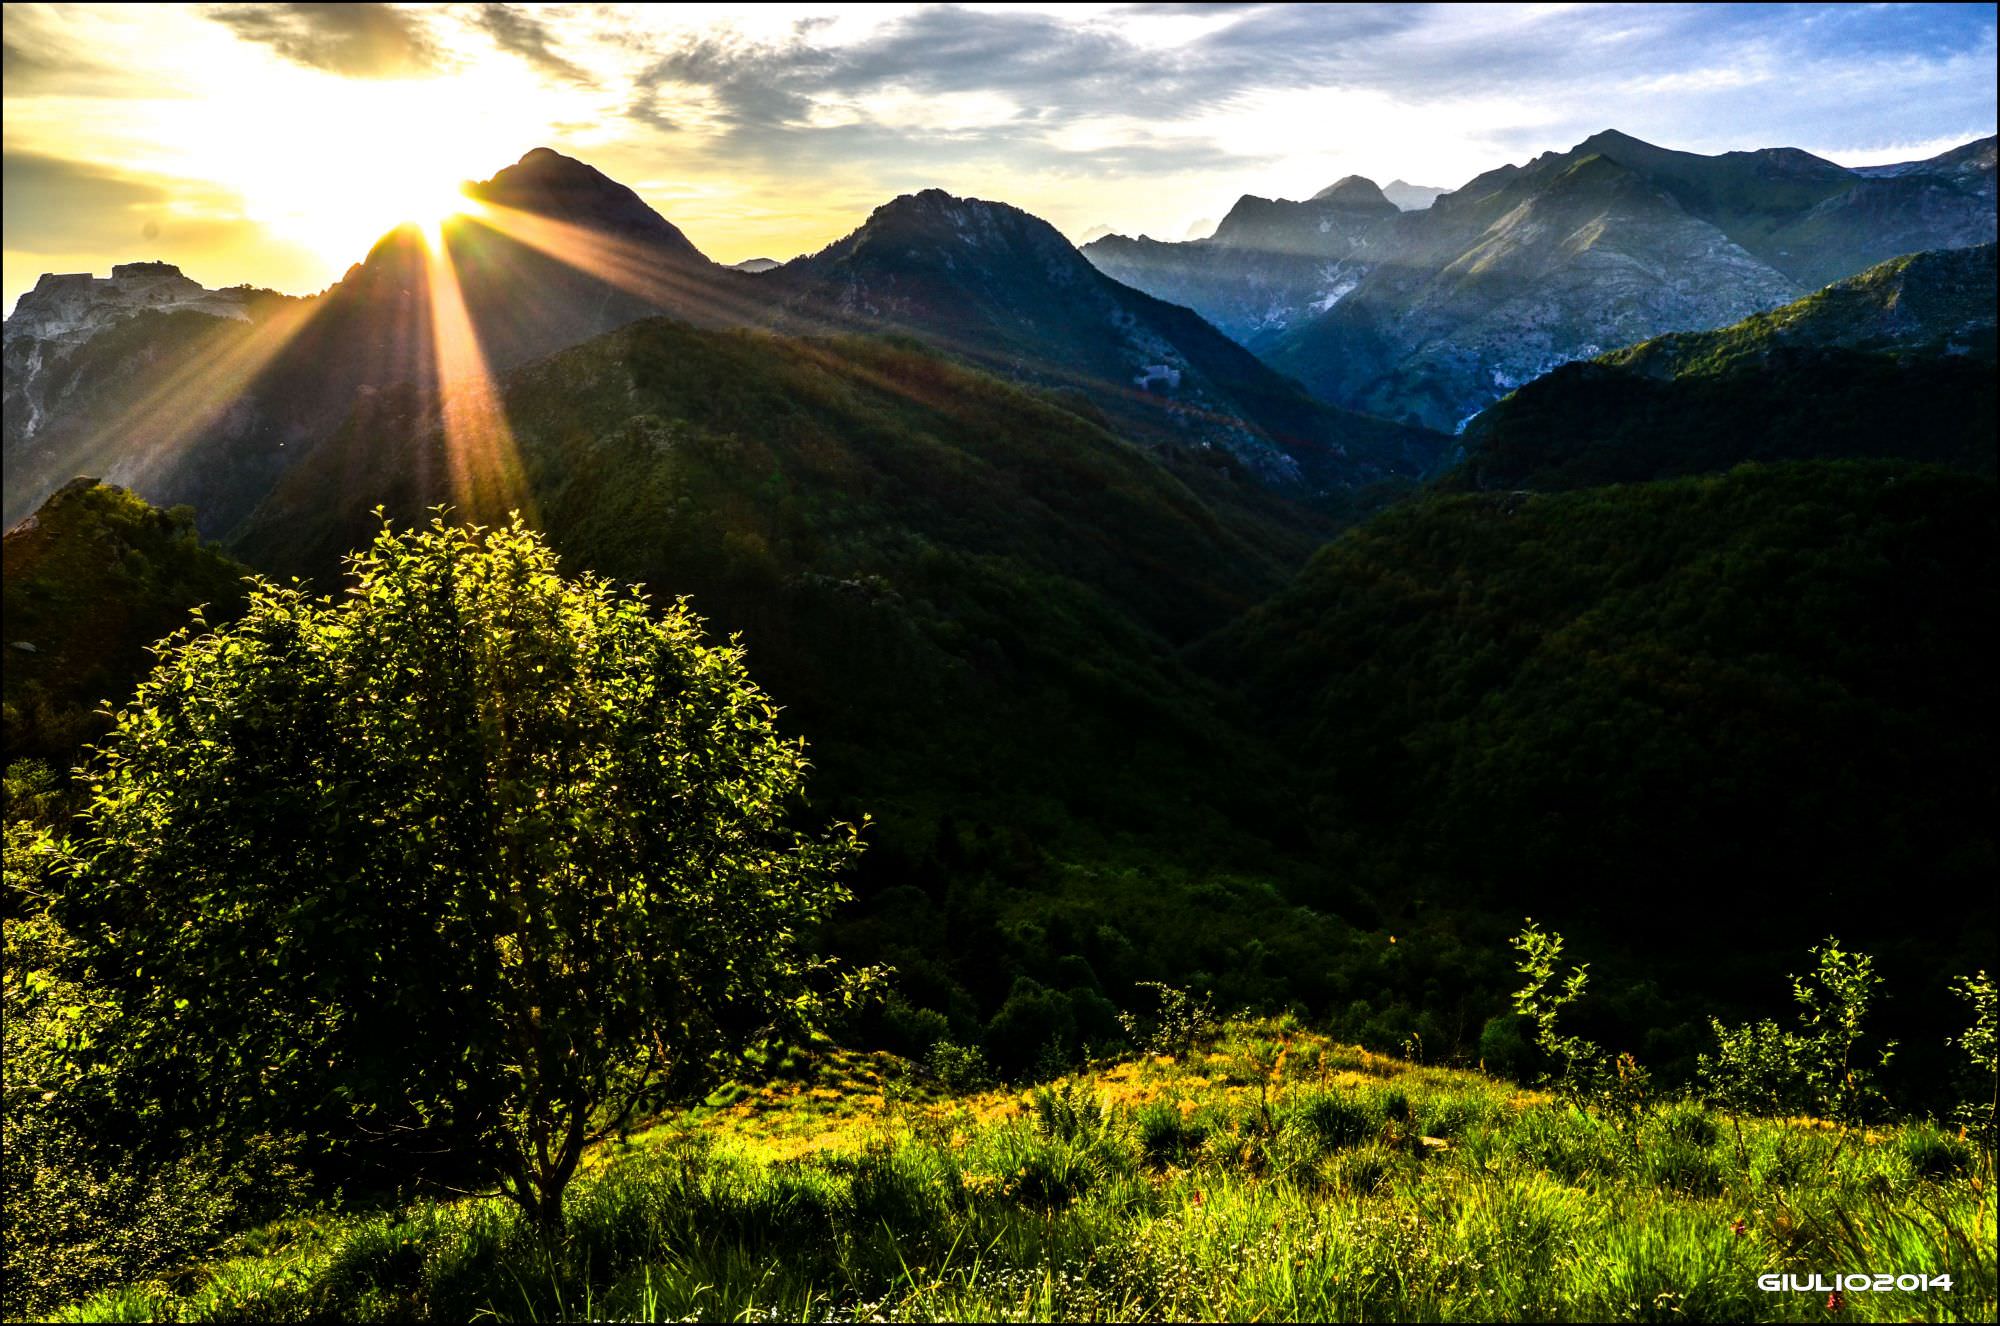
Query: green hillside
x: 91, y: 579
x: 1898, y: 361
x: 1695, y: 718
x: 923, y: 561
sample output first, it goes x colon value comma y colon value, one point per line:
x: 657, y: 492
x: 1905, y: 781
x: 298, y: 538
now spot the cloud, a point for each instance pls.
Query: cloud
x: 1173, y: 88
x: 518, y: 32
x: 356, y: 40
x: 40, y: 60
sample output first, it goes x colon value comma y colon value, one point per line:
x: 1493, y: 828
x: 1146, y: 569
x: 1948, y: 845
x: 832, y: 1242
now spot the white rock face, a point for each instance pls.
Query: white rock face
x: 76, y: 306
x: 66, y: 310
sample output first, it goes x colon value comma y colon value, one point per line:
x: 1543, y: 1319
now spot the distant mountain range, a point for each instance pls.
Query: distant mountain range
x: 1431, y: 316
x: 208, y: 398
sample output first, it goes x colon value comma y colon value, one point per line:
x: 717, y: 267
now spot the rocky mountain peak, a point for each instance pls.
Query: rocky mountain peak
x: 77, y: 304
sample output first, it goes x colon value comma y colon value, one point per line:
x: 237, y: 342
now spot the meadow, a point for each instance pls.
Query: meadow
x: 1266, y: 1173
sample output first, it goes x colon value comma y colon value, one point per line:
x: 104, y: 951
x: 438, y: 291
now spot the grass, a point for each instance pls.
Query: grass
x: 1276, y: 1176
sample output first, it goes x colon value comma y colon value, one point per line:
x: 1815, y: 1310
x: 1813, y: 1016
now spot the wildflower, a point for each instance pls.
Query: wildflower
x: 1739, y: 1227
x: 1834, y: 1302
x: 1197, y: 1197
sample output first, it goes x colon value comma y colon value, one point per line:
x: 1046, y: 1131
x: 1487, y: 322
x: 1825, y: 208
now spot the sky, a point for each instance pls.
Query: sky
x: 270, y: 144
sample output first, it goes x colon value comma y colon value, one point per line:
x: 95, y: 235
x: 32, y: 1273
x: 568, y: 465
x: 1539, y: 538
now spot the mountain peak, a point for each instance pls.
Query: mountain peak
x: 547, y: 183
x: 1354, y: 191
x: 1611, y: 140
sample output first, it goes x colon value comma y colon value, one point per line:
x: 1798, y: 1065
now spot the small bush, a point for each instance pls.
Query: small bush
x: 1689, y: 1121
x: 1933, y: 1153
x: 1166, y: 1135
x: 1331, y: 1121
x: 958, y: 1068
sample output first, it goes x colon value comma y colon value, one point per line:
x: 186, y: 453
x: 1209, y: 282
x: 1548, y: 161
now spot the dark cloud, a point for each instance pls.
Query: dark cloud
x: 357, y: 40
x: 517, y: 31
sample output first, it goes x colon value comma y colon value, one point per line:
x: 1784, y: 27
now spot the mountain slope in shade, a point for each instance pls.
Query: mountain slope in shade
x: 1270, y: 263
x: 1006, y: 291
x: 1769, y: 687
x: 92, y: 578
x: 1896, y: 362
x: 193, y: 402
x: 924, y: 560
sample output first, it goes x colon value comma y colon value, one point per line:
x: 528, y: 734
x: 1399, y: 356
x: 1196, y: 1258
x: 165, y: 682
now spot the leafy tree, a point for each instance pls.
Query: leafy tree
x: 473, y: 863
x: 1980, y: 1043
x: 1587, y: 1074
x: 1766, y: 1068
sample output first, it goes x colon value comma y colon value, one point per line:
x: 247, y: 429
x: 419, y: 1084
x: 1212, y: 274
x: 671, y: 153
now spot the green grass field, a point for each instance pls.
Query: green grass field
x: 1275, y: 1176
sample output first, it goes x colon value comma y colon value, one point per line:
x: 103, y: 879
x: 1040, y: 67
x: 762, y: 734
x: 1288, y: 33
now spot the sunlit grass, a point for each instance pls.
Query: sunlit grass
x: 1277, y: 1177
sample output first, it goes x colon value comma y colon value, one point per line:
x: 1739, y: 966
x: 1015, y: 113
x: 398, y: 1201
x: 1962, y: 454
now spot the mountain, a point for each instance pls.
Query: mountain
x: 1269, y: 263
x: 1515, y: 273
x: 925, y: 559
x: 92, y: 579
x: 1005, y: 291
x: 1431, y: 315
x: 755, y: 265
x: 1813, y: 220
x: 1411, y: 197
x: 1898, y: 361
x: 207, y: 397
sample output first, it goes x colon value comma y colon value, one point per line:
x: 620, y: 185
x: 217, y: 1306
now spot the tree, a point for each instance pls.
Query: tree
x: 1588, y: 1074
x: 471, y: 863
x: 1979, y: 1115
x: 1763, y: 1067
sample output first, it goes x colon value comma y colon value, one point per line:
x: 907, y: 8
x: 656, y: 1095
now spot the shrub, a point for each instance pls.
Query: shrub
x: 1180, y: 1021
x: 1330, y: 1121
x: 1932, y: 1152
x: 958, y: 1068
x: 1168, y: 1134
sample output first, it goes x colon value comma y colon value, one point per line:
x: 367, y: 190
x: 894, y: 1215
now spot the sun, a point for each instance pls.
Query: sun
x: 429, y: 209
x: 332, y: 166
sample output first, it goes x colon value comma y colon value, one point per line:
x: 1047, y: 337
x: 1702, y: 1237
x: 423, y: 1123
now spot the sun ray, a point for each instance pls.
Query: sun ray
x: 487, y: 476
x: 632, y: 267
x: 147, y: 436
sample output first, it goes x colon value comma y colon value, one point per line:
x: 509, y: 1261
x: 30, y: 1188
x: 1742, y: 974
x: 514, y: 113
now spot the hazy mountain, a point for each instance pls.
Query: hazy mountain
x: 1269, y: 263
x: 1517, y: 272
x: 1898, y: 361
x: 755, y: 265
x: 1431, y: 315
x: 208, y: 398
x: 1411, y: 197
x: 1007, y: 292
